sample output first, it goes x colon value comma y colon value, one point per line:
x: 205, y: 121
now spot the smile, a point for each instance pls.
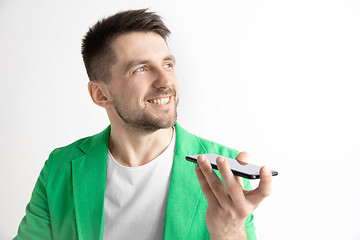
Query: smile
x: 160, y: 101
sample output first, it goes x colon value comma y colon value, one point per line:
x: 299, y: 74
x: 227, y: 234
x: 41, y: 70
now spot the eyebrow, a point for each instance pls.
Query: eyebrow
x: 170, y: 57
x: 137, y: 62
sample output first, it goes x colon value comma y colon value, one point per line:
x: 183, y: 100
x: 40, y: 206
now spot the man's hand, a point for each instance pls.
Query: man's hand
x: 229, y: 205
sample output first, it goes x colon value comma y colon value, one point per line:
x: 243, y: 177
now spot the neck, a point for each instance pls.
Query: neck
x: 135, y: 147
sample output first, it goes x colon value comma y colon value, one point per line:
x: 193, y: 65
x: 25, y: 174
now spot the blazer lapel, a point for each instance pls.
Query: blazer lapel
x: 89, y: 183
x: 184, y: 191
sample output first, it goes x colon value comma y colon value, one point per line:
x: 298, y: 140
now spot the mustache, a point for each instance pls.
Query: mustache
x: 158, y: 92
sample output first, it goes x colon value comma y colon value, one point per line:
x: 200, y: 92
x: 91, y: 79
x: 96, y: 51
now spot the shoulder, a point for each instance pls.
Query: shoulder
x: 190, y: 144
x: 214, y: 147
x: 208, y: 146
x: 72, y: 149
x: 80, y: 147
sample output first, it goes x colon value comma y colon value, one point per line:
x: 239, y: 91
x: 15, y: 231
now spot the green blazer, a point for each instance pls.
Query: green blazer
x: 68, y: 198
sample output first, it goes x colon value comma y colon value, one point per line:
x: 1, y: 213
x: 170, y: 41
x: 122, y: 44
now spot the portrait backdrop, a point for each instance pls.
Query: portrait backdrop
x: 278, y: 79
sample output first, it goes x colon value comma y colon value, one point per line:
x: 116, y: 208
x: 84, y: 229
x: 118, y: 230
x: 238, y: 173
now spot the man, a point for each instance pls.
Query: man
x: 132, y: 181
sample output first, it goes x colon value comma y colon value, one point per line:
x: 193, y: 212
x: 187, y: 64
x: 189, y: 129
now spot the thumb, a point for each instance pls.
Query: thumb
x: 243, y: 157
x: 264, y: 188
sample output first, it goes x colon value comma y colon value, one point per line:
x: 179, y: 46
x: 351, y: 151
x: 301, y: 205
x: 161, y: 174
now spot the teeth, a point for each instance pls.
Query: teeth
x: 160, y: 101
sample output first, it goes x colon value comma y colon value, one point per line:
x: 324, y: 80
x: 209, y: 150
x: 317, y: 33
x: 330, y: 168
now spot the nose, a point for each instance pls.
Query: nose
x: 163, y: 79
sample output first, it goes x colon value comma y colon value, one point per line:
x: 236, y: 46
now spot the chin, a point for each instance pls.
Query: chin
x: 157, y: 125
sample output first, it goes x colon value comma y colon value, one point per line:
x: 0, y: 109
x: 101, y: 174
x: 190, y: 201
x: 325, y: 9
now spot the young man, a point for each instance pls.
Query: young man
x: 132, y: 181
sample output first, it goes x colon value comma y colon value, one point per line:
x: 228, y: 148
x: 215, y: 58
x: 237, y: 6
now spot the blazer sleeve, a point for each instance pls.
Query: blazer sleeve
x: 36, y: 223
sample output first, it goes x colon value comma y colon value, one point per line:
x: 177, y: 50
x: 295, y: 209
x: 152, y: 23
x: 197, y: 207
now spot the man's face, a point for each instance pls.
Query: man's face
x: 143, y: 84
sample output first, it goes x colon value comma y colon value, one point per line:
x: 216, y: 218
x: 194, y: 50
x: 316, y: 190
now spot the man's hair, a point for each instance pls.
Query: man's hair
x: 96, y: 49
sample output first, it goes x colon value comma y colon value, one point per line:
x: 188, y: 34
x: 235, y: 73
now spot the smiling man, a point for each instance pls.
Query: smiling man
x: 131, y: 181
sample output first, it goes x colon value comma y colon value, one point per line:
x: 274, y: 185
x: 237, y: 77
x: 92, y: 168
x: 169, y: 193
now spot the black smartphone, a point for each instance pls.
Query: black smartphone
x: 242, y: 169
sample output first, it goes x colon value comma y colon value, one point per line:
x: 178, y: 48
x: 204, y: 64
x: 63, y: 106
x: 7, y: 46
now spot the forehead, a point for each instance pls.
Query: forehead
x: 139, y: 45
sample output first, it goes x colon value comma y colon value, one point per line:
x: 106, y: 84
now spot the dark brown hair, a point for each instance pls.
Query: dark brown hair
x: 96, y: 48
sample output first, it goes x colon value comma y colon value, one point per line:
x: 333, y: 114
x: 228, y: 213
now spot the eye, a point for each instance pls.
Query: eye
x: 169, y: 65
x: 140, y: 69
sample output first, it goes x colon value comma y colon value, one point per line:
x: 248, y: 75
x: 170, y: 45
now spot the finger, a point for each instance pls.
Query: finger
x: 241, y: 182
x: 243, y: 157
x: 213, y: 181
x: 264, y: 188
x: 209, y: 195
x: 233, y: 187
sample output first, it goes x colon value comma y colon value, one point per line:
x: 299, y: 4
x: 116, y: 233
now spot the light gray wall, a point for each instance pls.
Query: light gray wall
x: 279, y: 79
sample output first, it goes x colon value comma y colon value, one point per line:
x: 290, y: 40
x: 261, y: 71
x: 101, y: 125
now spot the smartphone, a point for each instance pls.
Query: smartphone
x: 241, y: 169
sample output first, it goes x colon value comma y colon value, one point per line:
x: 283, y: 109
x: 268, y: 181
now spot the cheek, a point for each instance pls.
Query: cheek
x: 175, y: 80
x: 176, y: 85
x: 137, y: 93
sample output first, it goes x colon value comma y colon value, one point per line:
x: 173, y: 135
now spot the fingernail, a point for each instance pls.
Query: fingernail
x: 220, y: 159
x: 197, y: 168
x: 201, y: 158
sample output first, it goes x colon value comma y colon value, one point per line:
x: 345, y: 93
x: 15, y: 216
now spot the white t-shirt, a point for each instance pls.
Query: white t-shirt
x: 135, y: 197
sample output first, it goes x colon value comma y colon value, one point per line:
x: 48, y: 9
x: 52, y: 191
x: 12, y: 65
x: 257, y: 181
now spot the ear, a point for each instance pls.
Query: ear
x: 99, y: 94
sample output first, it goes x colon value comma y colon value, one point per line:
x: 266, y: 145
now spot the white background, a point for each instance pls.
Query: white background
x: 279, y: 79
